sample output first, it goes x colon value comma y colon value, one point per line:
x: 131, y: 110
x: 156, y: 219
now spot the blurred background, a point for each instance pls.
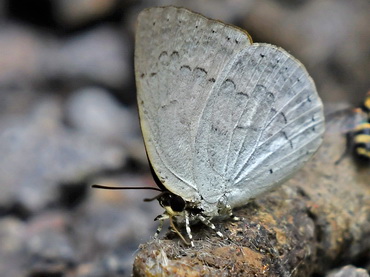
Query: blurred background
x: 68, y: 118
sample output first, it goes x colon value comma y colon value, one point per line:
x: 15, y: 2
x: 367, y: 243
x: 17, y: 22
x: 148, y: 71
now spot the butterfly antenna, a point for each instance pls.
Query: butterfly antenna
x: 109, y: 187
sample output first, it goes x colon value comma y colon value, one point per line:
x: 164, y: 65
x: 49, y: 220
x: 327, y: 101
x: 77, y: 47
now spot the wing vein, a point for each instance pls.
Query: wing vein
x: 291, y: 154
x: 236, y: 174
x: 286, y: 104
x: 239, y: 177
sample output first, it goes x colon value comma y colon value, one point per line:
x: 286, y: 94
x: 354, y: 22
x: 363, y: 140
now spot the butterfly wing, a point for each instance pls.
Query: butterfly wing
x: 280, y: 126
x: 218, y: 113
x: 178, y: 56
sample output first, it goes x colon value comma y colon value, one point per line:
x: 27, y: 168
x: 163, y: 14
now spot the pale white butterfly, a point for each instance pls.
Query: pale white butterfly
x: 223, y: 119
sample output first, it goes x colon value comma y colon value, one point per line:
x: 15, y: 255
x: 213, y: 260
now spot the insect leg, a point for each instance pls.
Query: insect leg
x: 209, y: 224
x: 225, y: 209
x: 179, y: 234
x: 230, y: 213
x: 161, y: 219
x: 159, y: 229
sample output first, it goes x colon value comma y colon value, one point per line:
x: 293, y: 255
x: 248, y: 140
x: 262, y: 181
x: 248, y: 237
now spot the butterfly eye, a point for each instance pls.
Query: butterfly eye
x: 177, y: 203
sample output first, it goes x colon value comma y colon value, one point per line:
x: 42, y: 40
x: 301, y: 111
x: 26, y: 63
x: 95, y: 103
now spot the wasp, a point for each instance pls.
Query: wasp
x: 358, y: 138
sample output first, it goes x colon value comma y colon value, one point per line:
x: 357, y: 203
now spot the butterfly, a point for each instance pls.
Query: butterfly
x: 223, y: 119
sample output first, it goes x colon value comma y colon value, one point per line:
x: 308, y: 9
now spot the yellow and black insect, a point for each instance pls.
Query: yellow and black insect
x: 358, y: 138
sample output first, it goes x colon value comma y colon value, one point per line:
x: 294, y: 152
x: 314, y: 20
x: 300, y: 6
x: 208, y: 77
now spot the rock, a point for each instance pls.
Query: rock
x: 29, y: 57
x: 349, y: 271
x: 39, y: 153
x: 21, y: 52
x: 100, y: 55
x: 12, y: 257
x: 95, y: 112
x: 73, y: 13
x: 47, y: 247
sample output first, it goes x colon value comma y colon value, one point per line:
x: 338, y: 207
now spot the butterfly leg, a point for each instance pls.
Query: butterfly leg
x: 161, y: 219
x: 230, y: 213
x: 225, y: 209
x: 159, y: 229
x: 165, y: 216
x: 209, y: 224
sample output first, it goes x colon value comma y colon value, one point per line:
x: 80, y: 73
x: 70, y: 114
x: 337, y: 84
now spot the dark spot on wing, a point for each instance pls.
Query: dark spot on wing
x: 271, y: 95
x: 167, y: 105
x: 185, y: 68
x: 260, y: 88
x: 217, y: 130
x: 290, y: 141
x: 164, y: 53
x: 200, y: 71
x: 243, y: 93
x: 163, y: 58
x: 175, y: 54
x: 285, y: 120
x: 229, y: 82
